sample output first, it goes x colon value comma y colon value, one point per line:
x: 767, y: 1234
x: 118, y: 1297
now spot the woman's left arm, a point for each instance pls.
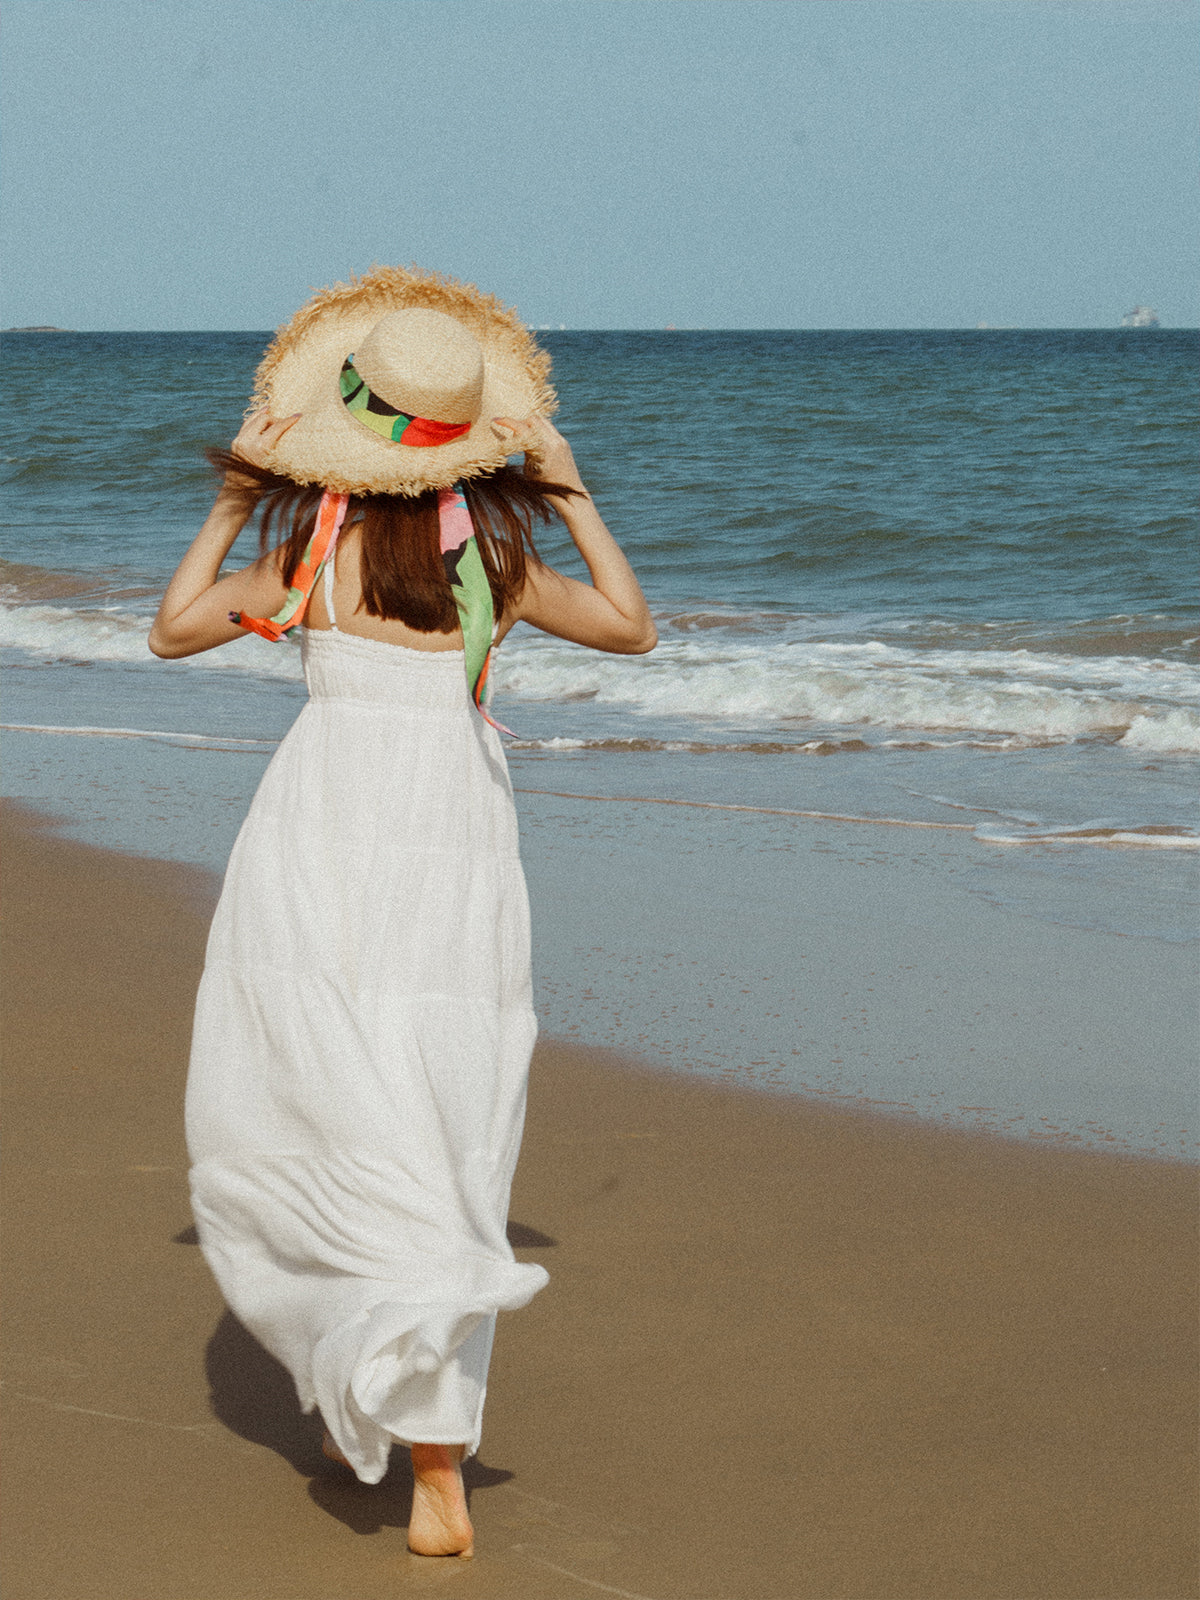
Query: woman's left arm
x: 194, y: 614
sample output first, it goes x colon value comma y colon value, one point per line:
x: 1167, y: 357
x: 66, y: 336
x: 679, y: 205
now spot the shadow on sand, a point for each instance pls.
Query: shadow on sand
x: 253, y: 1395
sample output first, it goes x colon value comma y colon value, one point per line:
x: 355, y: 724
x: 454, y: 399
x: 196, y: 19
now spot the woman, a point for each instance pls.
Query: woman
x: 364, y: 1025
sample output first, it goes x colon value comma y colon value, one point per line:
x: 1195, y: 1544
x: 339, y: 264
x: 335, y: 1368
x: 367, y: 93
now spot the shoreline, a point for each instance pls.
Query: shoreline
x: 821, y: 960
x: 931, y: 1363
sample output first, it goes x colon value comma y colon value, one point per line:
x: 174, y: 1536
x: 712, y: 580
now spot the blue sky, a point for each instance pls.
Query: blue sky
x: 605, y: 163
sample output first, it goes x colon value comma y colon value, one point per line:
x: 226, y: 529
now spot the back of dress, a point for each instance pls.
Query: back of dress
x: 363, y: 1032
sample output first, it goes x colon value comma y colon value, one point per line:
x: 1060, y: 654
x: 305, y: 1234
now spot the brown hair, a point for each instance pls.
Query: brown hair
x: 403, y: 576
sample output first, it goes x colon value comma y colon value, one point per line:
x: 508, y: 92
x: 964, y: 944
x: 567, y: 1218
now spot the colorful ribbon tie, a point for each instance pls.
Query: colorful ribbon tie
x: 472, y: 593
x: 375, y: 413
x: 316, y: 553
x: 464, y: 568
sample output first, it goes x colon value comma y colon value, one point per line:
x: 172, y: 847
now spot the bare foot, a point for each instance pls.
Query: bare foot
x: 439, y: 1525
x: 330, y: 1449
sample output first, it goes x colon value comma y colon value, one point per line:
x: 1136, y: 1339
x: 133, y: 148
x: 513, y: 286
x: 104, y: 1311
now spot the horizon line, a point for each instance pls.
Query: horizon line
x: 979, y: 327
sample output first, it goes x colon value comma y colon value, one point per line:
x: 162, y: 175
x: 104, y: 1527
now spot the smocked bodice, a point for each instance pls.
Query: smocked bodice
x: 346, y: 666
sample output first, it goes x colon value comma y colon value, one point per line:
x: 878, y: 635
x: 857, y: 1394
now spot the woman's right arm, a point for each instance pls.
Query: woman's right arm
x: 611, y: 612
x: 194, y: 614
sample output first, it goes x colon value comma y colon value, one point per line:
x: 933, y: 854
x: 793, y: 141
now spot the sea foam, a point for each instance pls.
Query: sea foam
x: 1013, y: 698
x: 742, y: 672
x: 118, y: 635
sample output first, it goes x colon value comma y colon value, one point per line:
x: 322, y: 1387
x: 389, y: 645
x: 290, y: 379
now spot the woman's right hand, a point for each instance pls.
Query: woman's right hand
x: 611, y: 612
x: 551, y: 459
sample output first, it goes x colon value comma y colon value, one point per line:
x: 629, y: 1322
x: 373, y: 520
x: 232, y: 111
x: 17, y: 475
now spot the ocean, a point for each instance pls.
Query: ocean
x: 935, y: 581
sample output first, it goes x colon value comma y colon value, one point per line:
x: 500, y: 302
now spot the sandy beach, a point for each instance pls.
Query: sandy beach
x: 787, y: 1351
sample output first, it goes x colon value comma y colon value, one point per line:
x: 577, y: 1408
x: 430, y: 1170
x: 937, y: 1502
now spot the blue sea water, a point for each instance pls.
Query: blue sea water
x: 922, y: 541
x: 944, y: 578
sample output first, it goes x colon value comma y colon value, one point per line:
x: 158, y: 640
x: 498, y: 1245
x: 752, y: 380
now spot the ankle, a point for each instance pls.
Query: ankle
x: 428, y: 1458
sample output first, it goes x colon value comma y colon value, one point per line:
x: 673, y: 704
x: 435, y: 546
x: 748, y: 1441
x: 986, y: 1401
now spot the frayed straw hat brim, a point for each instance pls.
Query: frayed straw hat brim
x: 302, y: 366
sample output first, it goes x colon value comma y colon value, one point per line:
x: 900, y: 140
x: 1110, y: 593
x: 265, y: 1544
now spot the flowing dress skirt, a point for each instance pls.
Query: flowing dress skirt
x: 362, y: 1039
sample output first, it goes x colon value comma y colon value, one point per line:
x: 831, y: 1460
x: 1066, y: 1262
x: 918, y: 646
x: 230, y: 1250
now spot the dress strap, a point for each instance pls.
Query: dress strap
x: 330, y: 573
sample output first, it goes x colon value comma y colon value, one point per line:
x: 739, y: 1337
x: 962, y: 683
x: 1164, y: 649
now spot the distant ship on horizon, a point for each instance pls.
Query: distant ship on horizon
x: 1141, y: 317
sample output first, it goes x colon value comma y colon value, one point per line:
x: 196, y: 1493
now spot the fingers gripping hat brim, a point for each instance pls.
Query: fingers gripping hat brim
x: 302, y: 366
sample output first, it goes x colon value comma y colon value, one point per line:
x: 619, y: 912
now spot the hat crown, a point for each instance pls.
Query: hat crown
x: 424, y: 363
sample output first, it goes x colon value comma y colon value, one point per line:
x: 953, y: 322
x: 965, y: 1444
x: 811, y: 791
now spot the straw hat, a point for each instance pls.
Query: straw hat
x: 397, y: 376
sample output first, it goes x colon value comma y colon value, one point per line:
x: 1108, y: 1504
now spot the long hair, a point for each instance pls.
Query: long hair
x: 403, y: 577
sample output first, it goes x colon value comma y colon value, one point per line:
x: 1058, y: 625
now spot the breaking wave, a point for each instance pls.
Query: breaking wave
x: 1010, y: 698
x: 116, y: 634
x: 814, y: 682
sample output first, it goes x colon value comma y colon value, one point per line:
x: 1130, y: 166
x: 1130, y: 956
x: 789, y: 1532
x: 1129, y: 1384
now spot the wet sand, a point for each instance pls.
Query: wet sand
x: 787, y: 1350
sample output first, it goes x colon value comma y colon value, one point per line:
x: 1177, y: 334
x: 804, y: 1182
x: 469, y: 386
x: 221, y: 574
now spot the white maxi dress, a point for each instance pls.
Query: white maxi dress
x: 363, y: 1030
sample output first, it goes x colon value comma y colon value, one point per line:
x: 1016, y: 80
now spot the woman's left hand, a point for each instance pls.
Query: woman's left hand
x: 256, y: 439
x: 197, y: 610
